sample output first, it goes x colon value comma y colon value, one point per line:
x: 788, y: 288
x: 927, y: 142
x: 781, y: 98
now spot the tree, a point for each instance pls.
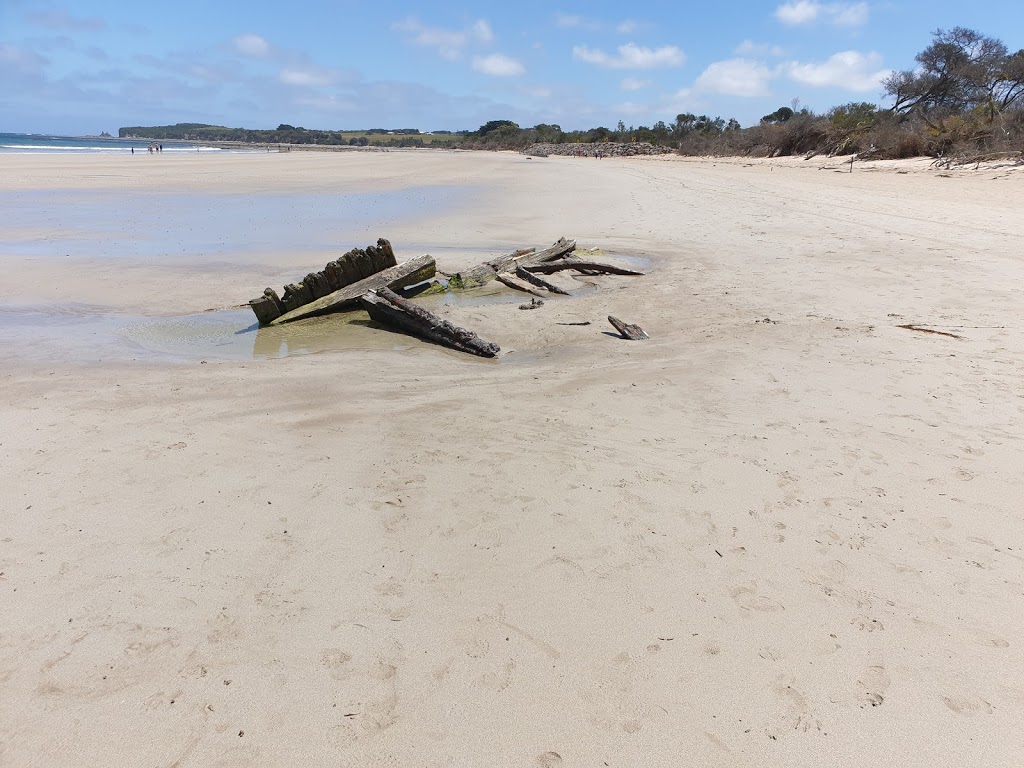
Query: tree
x: 493, y: 125
x: 548, y: 134
x: 684, y: 124
x: 962, y: 70
x: 780, y: 115
x: 855, y: 115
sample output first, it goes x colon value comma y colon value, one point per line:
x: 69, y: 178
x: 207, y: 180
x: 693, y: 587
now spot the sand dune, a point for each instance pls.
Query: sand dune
x: 784, y: 531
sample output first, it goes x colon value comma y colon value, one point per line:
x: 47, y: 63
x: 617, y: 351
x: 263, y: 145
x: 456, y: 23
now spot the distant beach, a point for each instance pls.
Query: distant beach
x: 33, y: 143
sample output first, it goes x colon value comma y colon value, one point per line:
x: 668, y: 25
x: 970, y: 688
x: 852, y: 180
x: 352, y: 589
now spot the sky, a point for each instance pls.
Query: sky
x: 80, y: 67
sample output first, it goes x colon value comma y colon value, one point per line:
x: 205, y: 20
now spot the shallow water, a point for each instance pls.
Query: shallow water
x: 170, y: 226
x: 84, y: 333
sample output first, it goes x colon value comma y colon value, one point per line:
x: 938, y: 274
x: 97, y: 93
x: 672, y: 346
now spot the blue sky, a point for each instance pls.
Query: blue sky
x: 84, y: 66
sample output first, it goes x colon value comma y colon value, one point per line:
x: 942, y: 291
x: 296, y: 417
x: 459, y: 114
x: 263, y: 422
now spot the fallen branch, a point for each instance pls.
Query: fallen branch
x: 628, y: 330
x: 388, y: 308
x: 594, y: 267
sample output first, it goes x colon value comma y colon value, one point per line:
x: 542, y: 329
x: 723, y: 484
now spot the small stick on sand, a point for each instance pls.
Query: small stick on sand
x: 912, y: 327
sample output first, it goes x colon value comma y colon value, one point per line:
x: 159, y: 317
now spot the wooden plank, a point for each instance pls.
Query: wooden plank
x: 347, y: 298
x: 483, y: 273
x: 540, y: 282
x: 579, y: 264
x: 388, y: 308
x: 516, y: 285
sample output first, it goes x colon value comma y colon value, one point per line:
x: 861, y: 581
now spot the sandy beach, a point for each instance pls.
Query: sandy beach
x: 785, y: 531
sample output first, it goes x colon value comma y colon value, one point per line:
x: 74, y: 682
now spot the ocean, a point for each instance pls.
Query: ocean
x: 34, y: 143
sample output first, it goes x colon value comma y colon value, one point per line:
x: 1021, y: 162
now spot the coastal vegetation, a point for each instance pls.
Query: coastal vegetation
x: 288, y: 134
x: 964, y: 97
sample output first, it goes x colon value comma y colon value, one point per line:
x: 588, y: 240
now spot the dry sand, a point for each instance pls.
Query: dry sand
x: 742, y: 543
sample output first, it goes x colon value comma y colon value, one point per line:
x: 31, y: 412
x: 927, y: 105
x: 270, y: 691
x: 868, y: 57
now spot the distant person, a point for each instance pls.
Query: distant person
x: 133, y: 150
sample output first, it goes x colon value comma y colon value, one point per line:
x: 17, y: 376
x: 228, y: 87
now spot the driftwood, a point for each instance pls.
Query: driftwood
x: 540, y: 282
x: 592, y: 267
x: 489, y: 270
x: 516, y: 285
x: 922, y: 329
x: 534, y: 304
x: 388, y: 308
x: 349, y: 268
x: 628, y: 330
x: 399, y: 276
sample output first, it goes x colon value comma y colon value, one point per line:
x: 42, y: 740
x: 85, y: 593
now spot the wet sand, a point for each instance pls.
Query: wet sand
x: 783, y: 531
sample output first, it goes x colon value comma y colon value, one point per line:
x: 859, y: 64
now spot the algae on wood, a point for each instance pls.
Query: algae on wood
x: 345, y: 270
x: 489, y: 270
x: 397, y: 277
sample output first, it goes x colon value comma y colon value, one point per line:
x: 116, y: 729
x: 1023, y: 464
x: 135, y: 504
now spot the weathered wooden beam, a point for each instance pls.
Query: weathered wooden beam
x: 579, y: 264
x: 398, y: 276
x: 516, y: 285
x: 628, y: 330
x: 388, y: 308
x: 345, y: 270
x: 483, y: 273
x: 540, y: 282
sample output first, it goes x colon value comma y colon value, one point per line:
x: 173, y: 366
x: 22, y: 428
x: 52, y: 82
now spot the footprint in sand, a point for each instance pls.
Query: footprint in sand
x: 968, y: 706
x: 873, y: 683
x: 799, y: 715
x: 746, y: 598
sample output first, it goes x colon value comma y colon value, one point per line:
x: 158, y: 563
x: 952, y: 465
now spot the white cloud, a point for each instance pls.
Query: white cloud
x: 678, y: 101
x: 736, y: 77
x: 307, y: 77
x: 251, y: 45
x: 572, y: 21
x: 800, y: 12
x: 635, y: 84
x: 498, y: 65
x: 852, y: 70
x: 631, y: 109
x: 448, y: 42
x: 631, y: 56
x: 750, y: 48
x: 481, y: 31
x: 855, y: 15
